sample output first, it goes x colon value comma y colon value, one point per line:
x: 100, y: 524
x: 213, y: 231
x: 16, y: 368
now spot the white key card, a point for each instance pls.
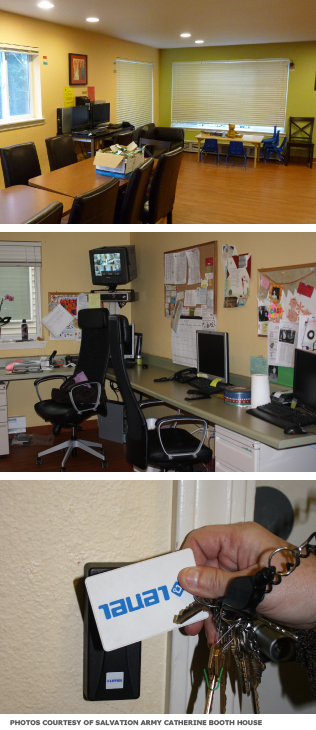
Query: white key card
x: 140, y: 600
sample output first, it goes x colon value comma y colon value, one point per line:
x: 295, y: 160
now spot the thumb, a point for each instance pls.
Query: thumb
x: 209, y: 582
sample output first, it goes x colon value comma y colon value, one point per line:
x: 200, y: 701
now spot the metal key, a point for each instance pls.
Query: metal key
x: 193, y: 609
x: 214, y: 673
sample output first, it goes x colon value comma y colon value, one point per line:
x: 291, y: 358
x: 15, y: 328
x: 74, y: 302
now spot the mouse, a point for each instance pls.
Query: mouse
x: 291, y: 430
x: 145, y: 366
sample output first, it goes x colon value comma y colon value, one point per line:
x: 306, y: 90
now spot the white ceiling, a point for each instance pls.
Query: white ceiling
x: 159, y: 24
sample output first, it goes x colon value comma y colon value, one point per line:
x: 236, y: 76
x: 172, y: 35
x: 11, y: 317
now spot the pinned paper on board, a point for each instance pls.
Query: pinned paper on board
x: 291, y: 292
x: 237, y: 280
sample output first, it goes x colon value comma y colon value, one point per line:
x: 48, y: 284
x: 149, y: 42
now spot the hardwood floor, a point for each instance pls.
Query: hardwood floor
x: 271, y: 193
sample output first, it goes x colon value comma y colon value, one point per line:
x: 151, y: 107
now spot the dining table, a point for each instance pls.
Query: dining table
x: 73, y: 180
x: 18, y: 203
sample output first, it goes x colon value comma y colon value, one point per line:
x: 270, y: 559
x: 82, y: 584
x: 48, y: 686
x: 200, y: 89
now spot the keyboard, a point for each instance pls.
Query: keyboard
x: 281, y: 415
x: 204, y: 385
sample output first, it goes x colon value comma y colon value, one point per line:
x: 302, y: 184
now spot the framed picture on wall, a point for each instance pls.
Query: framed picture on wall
x: 78, y: 69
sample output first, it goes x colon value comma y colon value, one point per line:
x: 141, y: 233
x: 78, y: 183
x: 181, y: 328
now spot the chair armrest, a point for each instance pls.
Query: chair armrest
x: 151, y: 403
x: 189, y: 419
x: 47, y: 377
x: 83, y: 410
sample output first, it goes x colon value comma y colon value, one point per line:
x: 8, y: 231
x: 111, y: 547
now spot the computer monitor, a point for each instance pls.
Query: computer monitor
x: 304, y: 386
x: 113, y: 265
x: 212, y: 355
x: 100, y: 114
x: 80, y: 117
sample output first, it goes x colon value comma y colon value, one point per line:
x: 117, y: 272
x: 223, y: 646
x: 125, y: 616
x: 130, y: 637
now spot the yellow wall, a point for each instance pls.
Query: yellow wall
x: 267, y: 250
x: 55, y: 42
x: 301, y: 94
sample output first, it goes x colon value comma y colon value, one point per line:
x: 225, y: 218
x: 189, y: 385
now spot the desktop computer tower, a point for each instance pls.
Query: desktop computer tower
x: 63, y: 120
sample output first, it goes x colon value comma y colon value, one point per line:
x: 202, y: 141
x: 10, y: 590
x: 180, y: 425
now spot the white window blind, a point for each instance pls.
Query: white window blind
x: 20, y: 277
x: 134, y: 92
x: 249, y: 94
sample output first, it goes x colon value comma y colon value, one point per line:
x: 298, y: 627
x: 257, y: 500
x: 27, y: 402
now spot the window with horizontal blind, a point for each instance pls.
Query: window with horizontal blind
x: 20, y: 278
x: 250, y: 94
x: 134, y: 92
x: 20, y: 87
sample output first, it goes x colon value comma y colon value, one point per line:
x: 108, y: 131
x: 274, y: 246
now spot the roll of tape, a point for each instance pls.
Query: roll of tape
x: 237, y: 396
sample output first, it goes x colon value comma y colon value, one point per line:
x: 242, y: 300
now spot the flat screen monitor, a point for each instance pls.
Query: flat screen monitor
x: 80, y: 117
x: 113, y: 265
x: 304, y: 386
x: 212, y: 355
x: 129, y: 347
x: 100, y: 114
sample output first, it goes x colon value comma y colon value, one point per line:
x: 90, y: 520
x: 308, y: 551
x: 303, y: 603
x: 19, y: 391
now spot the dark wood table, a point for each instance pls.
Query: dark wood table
x: 20, y: 202
x: 73, y: 180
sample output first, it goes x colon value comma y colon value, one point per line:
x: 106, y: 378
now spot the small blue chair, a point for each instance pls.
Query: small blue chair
x: 210, y: 145
x: 270, y: 141
x: 278, y: 151
x: 236, y: 149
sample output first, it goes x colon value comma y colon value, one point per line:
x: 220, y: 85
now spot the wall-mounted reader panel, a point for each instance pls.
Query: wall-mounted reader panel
x: 107, y: 675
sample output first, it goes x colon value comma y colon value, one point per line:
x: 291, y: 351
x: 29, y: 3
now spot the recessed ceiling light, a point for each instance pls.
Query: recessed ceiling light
x: 45, y: 4
x: 185, y: 35
x: 92, y: 20
x: 198, y: 41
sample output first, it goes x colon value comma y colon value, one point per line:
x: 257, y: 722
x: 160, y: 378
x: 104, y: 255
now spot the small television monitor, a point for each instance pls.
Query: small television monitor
x: 80, y: 117
x: 304, y: 385
x: 212, y: 355
x: 100, y: 114
x: 113, y: 265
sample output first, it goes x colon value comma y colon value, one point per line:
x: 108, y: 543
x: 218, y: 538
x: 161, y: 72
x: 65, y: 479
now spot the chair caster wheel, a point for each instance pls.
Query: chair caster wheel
x: 39, y: 460
x: 104, y: 464
x: 63, y: 468
x: 101, y: 450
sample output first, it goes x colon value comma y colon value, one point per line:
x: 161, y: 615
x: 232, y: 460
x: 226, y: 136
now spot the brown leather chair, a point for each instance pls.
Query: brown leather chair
x: 130, y: 208
x: 162, y: 190
x: 19, y: 163
x: 154, y: 147
x: 96, y: 206
x: 61, y: 151
x: 51, y: 214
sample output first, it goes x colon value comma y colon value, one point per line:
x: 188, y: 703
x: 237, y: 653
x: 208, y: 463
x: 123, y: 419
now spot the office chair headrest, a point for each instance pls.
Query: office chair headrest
x: 93, y: 318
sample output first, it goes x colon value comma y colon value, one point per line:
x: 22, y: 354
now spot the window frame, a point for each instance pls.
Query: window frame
x: 26, y: 254
x: 35, y: 116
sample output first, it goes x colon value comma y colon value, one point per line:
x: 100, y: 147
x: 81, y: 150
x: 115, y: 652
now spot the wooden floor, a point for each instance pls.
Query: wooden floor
x: 23, y: 458
x: 271, y: 193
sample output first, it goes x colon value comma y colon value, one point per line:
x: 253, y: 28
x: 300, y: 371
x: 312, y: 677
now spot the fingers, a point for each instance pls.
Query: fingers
x: 209, y: 582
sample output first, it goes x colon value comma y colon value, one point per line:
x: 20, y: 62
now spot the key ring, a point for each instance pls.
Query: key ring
x: 303, y: 551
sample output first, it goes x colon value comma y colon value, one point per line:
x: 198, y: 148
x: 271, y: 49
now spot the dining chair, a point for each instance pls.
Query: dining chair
x: 130, y: 205
x: 301, y: 137
x: 154, y: 147
x: 277, y: 150
x: 19, y: 163
x: 124, y: 138
x: 96, y: 206
x: 236, y: 149
x: 210, y: 145
x: 61, y: 151
x: 51, y: 214
x: 162, y: 190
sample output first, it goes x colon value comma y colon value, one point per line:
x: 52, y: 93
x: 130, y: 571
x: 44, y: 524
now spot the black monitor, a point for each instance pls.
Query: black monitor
x: 304, y: 386
x: 212, y: 355
x: 100, y: 114
x: 80, y: 117
x: 113, y: 265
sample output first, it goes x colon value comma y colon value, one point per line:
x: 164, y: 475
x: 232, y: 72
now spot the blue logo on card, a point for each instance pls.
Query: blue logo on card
x: 176, y: 589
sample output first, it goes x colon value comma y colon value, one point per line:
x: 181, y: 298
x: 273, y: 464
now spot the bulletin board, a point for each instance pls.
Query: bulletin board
x: 72, y: 302
x: 208, y: 273
x: 286, y: 292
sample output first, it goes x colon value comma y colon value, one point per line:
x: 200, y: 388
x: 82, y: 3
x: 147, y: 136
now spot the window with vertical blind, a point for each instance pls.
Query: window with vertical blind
x: 20, y: 277
x: 250, y: 94
x: 20, y: 85
x: 134, y: 92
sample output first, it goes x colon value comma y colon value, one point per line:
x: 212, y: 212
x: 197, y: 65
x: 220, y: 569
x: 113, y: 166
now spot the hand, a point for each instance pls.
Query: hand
x: 223, y: 552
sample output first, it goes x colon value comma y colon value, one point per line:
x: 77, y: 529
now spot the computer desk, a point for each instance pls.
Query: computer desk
x: 243, y: 443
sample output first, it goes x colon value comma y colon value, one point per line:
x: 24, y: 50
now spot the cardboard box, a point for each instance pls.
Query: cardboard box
x: 114, y: 165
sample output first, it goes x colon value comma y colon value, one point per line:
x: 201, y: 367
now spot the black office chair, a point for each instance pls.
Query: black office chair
x: 93, y: 362
x: 51, y: 214
x: 129, y: 208
x: 19, y: 163
x: 162, y: 190
x: 61, y: 151
x: 164, y: 448
x: 96, y: 206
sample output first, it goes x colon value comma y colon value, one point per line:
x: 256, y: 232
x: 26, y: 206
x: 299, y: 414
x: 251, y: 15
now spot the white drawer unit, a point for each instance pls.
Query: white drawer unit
x: 4, y: 434
x: 234, y: 452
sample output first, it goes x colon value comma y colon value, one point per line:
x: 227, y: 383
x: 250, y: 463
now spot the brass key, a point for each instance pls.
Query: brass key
x: 198, y: 605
